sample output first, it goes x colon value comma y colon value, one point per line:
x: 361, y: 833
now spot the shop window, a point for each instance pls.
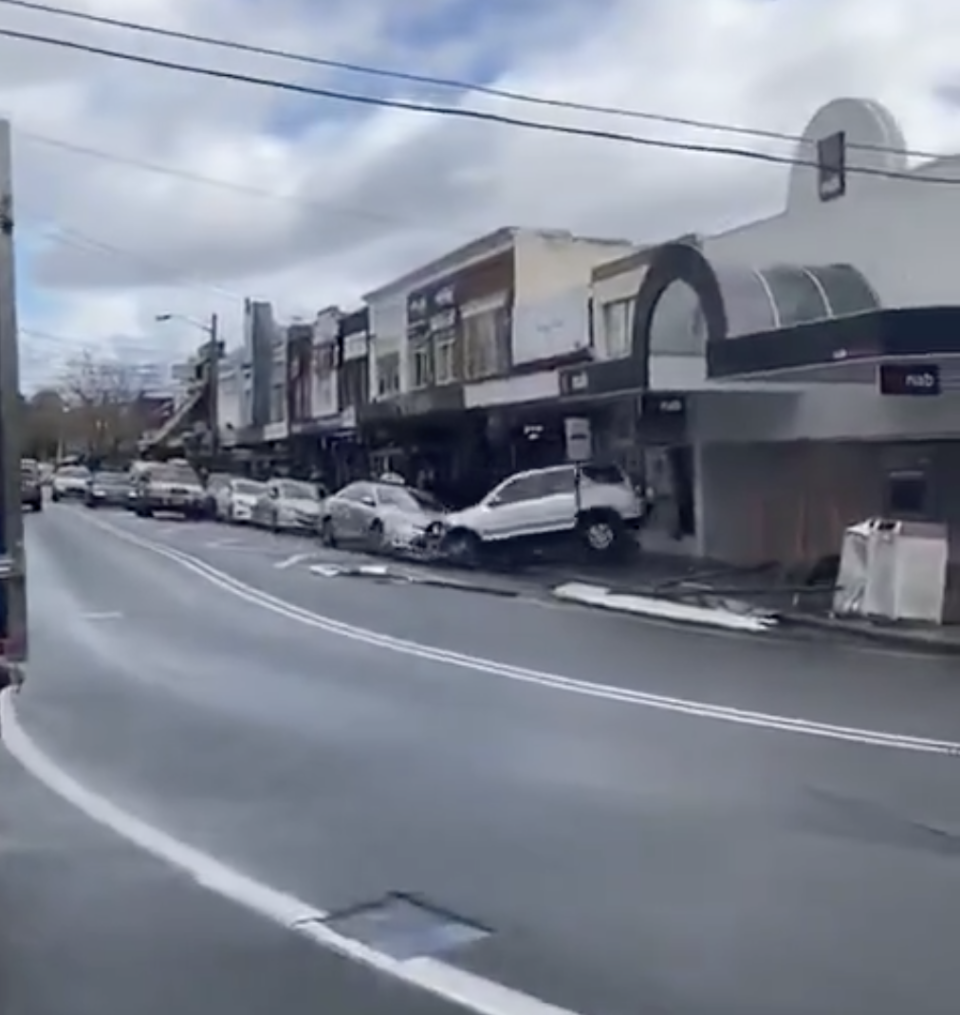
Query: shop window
x: 446, y: 359
x: 480, y: 339
x: 324, y: 359
x: 388, y: 375
x: 617, y: 325
x: 422, y: 361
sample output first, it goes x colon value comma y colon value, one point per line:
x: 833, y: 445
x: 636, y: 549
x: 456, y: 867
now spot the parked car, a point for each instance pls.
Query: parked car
x: 170, y: 488
x: 108, y: 489
x: 596, y: 503
x: 70, y: 481
x: 288, y: 504
x: 236, y: 500
x: 31, y: 484
x: 379, y: 515
x: 214, y: 484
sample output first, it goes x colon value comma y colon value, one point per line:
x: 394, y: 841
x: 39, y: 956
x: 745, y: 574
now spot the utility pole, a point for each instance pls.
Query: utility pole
x: 13, y: 593
x: 213, y: 394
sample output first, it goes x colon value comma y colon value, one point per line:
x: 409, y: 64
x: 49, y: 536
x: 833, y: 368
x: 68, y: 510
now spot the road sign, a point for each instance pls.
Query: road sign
x: 579, y: 438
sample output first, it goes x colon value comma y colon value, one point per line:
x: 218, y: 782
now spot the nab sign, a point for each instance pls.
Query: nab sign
x: 910, y: 379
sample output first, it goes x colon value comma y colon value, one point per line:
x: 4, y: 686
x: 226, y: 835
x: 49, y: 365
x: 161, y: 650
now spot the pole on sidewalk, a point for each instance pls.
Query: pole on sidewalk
x: 213, y: 398
x: 13, y: 598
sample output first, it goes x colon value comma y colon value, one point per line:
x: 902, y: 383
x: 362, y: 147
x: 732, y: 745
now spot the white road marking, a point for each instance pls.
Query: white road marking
x: 106, y: 615
x: 297, y: 558
x: 520, y: 674
x: 470, y: 992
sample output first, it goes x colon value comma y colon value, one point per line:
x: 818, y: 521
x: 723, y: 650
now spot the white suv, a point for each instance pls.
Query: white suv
x: 597, y: 502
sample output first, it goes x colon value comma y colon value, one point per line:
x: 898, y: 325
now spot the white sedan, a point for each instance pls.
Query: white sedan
x: 288, y: 504
x: 236, y: 500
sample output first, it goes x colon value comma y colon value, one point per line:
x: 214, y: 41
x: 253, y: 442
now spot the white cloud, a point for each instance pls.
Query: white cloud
x: 359, y: 194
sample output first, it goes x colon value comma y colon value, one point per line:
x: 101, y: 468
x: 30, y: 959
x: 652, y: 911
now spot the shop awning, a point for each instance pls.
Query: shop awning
x: 848, y: 349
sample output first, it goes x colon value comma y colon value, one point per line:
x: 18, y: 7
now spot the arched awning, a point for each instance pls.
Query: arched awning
x: 785, y: 296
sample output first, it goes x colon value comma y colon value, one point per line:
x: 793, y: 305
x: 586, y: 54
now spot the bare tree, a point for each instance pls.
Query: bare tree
x: 102, y: 400
x: 44, y: 416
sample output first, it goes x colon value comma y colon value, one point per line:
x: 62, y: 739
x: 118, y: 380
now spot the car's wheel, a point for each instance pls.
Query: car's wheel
x: 462, y: 547
x: 55, y: 497
x: 602, y: 532
x: 38, y: 505
x: 327, y: 535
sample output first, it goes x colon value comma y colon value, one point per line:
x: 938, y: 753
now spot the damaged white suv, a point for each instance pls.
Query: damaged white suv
x: 598, y: 503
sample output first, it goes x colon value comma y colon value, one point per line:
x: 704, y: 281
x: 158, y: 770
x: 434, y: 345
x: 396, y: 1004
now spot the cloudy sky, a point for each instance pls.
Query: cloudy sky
x: 143, y: 191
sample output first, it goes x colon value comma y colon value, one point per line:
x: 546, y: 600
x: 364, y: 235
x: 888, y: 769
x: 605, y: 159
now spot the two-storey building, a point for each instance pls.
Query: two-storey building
x: 465, y: 357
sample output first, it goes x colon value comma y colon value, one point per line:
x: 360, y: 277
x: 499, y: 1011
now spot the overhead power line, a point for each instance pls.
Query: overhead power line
x: 211, y: 181
x: 456, y: 112
x: 436, y: 82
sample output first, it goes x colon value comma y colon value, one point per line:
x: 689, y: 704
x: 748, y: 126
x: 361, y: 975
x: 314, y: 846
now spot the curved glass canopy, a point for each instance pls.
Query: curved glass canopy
x: 785, y: 296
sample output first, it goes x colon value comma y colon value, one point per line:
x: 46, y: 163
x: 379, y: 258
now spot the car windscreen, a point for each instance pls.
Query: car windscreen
x: 176, y: 474
x: 407, y: 499
x: 110, y: 479
x: 248, y: 489
x: 298, y: 491
x: 73, y: 472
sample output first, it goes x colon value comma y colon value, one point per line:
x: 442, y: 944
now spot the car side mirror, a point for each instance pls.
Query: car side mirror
x: 495, y: 501
x: 274, y: 495
x: 368, y: 501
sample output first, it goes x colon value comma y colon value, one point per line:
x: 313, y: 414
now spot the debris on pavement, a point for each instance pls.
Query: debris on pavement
x: 665, y: 609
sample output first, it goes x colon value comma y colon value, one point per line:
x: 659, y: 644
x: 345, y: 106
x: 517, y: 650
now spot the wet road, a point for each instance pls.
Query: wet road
x: 628, y: 854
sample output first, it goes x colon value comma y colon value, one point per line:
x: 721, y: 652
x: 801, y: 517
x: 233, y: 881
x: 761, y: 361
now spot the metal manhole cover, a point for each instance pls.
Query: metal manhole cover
x: 405, y: 927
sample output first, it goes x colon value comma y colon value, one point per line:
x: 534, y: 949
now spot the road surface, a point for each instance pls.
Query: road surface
x: 644, y: 818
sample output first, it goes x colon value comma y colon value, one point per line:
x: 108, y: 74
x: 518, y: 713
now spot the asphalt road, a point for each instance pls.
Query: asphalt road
x: 628, y: 854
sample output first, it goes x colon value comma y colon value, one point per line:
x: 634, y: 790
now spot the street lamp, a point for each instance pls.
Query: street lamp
x: 207, y: 328
x: 210, y: 329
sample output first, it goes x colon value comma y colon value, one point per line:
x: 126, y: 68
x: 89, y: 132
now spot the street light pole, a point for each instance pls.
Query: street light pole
x: 212, y: 331
x: 213, y: 394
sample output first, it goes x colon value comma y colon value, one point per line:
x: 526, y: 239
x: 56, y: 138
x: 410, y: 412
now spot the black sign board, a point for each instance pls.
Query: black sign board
x: 914, y: 379
x: 832, y: 166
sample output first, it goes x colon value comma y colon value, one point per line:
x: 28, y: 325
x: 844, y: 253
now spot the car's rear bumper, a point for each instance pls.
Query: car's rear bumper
x: 188, y: 507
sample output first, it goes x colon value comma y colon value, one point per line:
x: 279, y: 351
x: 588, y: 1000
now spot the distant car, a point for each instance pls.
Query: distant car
x: 236, y: 500
x: 168, y: 488
x: 386, y: 515
x: 215, y: 484
x: 31, y: 484
x: 70, y: 482
x: 108, y: 489
x: 288, y: 504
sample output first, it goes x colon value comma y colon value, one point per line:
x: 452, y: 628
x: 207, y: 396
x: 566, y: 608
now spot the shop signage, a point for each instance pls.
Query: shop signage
x: 911, y: 379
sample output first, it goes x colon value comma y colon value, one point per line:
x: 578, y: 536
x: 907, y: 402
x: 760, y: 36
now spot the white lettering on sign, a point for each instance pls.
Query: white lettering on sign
x: 924, y: 380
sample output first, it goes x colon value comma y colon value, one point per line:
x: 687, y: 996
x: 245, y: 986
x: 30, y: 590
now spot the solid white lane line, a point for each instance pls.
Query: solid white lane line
x: 553, y: 681
x: 470, y: 992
